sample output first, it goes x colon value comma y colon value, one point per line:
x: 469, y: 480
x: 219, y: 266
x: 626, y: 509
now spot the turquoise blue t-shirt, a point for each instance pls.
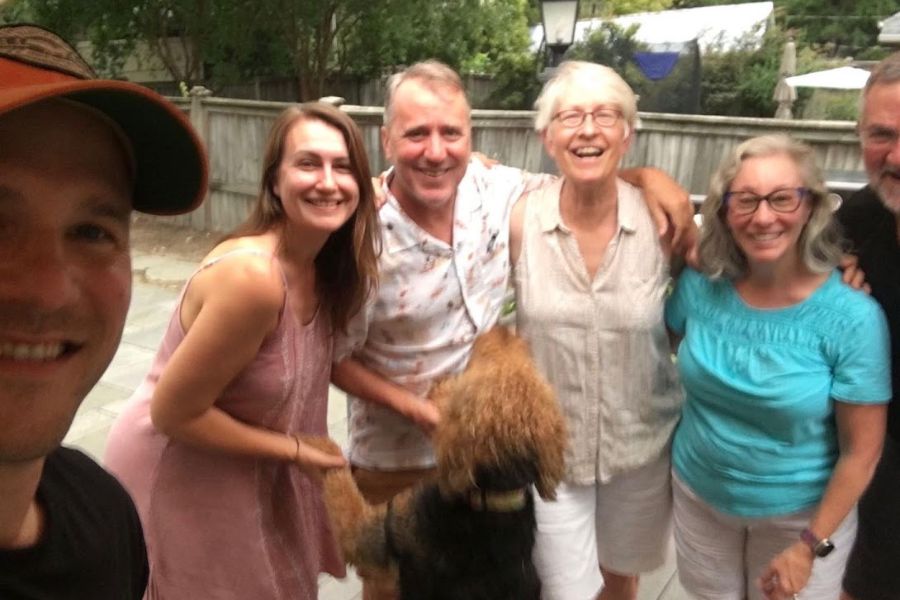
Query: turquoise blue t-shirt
x: 757, y: 436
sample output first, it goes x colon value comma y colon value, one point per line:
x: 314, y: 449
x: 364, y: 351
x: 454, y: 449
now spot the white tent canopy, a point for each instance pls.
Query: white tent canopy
x: 842, y: 78
x: 716, y: 28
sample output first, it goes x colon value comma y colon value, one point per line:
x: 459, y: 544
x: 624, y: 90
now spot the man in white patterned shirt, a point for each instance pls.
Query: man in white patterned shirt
x: 443, y: 277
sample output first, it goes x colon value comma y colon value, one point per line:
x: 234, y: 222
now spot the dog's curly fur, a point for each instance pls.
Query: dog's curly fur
x: 501, y: 430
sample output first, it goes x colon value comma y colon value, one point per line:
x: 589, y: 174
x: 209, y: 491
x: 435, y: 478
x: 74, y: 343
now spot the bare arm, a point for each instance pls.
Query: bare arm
x: 231, y: 308
x: 668, y: 203
x: 516, y: 229
x: 861, y: 430
x: 358, y: 380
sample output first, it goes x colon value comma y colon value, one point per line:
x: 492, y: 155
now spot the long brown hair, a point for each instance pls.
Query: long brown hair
x: 347, y: 265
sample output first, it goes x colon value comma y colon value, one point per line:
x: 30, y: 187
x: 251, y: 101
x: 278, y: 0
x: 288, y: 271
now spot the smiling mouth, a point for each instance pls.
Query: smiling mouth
x: 588, y: 152
x: 765, y: 237
x: 433, y: 173
x: 324, y: 203
x: 42, y: 352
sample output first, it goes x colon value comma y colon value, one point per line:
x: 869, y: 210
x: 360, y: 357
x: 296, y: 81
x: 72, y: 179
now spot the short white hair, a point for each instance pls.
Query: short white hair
x: 610, y: 87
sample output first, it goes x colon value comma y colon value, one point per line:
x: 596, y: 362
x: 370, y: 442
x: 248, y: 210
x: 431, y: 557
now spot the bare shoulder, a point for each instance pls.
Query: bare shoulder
x: 242, y: 278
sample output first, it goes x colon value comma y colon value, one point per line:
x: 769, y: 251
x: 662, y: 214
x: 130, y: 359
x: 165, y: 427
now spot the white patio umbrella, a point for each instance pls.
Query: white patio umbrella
x: 784, y: 94
x: 842, y: 78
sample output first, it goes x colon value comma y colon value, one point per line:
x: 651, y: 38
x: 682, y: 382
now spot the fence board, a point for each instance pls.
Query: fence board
x: 689, y: 147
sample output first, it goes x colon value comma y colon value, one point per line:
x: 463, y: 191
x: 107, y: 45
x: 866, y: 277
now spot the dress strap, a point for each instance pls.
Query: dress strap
x: 230, y: 253
x: 243, y: 252
x: 233, y: 252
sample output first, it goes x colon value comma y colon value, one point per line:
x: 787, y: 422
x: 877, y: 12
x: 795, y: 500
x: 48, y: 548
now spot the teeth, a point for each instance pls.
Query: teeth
x: 765, y: 237
x: 326, y: 203
x: 33, y: 352
x: 583, y: 152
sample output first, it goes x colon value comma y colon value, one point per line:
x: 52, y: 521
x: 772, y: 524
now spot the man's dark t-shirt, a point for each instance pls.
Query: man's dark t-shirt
x: 93, y: 545
x: 872, y: 232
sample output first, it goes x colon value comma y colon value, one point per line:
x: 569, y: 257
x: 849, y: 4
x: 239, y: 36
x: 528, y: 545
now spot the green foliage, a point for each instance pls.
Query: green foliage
x: 608, y: 45
x: 516, y: 84
x: 836, y: 27
x: 475, y: 36
x: 834, y: 105
x: 740, y: 82
x: 220, y: 41
x: 614, y: 47
x: 696, y: 3
x: 605, y: 8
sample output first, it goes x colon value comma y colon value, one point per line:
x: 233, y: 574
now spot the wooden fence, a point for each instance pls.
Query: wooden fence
x: 689, y: 147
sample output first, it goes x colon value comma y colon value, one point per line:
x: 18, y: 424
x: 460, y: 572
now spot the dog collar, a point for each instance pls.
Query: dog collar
x: 507, y: 501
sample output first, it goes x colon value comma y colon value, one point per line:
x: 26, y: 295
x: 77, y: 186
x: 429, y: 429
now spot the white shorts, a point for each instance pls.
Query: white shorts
x: 624, y: 525
x: 721, y: 556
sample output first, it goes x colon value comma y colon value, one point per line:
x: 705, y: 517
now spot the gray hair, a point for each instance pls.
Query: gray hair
x: 820, y: 241
x: 887, y: 72
x: 585, y: 75
x: 431, y: 72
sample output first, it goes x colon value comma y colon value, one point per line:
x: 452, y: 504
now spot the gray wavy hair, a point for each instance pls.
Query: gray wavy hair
x: 820, y: 242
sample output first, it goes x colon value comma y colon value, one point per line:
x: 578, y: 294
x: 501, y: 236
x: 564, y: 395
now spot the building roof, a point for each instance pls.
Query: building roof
x: 715, y: 28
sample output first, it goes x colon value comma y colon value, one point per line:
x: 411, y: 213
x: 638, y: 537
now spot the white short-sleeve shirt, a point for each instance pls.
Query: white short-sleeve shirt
x: 433, y: 300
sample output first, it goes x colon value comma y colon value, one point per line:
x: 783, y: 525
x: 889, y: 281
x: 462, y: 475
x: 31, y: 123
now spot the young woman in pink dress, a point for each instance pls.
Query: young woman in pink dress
x: 209, y: 445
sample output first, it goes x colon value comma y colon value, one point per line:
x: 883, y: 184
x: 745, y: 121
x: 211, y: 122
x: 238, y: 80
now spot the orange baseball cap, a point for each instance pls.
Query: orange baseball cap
x: 170, y: 163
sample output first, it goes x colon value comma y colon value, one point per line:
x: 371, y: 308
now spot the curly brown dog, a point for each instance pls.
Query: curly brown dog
x: 468, y: 534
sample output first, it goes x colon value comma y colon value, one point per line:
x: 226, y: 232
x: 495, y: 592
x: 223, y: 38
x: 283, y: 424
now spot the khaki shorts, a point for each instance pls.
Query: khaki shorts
x: 721, y: 556
x: 625, y: 525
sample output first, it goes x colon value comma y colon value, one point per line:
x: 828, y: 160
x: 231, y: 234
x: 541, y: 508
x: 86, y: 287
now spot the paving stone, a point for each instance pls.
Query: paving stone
x: 151, y: 309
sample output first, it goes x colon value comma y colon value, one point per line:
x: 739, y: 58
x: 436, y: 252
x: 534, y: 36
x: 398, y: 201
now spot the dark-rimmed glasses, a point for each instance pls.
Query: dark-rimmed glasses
x: 603, y: 117
x: 784, y: 200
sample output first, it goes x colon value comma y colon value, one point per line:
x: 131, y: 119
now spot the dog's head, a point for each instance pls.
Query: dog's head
x: 499, y: 415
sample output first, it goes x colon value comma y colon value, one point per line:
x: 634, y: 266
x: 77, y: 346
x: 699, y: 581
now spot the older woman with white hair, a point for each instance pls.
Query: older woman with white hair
x: 591, y: 276
x: 786, y: 375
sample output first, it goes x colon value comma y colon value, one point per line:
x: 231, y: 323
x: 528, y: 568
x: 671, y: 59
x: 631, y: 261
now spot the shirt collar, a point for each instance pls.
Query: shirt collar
x: 402, y: 233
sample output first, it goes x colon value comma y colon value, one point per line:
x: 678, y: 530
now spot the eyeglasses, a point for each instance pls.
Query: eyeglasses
x: 603, y: 117
x: 785, y: 200
x: 879, y: 137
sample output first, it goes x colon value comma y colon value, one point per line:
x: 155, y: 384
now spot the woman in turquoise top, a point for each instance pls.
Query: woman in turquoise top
x: 786, y: 372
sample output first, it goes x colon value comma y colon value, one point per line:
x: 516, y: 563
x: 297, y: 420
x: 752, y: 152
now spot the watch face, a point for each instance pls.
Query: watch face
x: 823, y: 548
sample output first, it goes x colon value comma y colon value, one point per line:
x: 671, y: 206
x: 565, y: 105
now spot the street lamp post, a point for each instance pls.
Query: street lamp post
x: 558, y: 18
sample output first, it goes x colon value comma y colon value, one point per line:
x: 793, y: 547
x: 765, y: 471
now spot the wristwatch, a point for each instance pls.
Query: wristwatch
x: 820, y: 548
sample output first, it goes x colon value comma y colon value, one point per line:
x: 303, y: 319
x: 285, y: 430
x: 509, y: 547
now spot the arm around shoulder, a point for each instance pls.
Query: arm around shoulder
x: 667, y: 202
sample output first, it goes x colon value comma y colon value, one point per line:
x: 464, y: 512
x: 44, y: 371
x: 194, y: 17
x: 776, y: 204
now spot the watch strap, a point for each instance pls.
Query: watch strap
x: 820, y: 547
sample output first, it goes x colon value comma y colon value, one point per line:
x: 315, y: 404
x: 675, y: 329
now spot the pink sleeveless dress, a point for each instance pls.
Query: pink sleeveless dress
x: 221, y: 527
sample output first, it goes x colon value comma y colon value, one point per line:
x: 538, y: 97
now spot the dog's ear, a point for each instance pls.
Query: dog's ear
x: 455, y: 440
x: 550, y: 439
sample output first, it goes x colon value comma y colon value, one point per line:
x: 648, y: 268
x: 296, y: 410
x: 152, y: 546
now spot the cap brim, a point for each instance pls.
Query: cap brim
x: 170, y: 162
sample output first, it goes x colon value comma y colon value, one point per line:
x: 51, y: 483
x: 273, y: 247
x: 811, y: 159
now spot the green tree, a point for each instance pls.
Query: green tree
x: 836, y: 27
x: 605, y: 8
x: 210, y: 41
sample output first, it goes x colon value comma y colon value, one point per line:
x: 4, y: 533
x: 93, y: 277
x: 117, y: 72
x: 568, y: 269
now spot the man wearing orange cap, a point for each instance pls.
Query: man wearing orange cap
x: 77, y: 154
